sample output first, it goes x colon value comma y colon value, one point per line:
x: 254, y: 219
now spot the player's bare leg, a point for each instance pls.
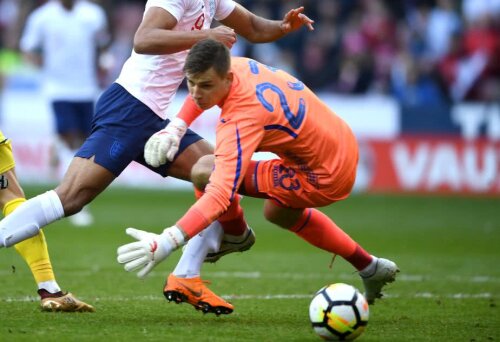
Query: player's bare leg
x: 34, y: 250
x: 185, y: 284
x: 84, y: 180
x: 65, y: 147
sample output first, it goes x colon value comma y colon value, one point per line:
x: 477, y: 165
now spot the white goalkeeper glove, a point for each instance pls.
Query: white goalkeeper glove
x: 164, y: 144
x: 149, y: 250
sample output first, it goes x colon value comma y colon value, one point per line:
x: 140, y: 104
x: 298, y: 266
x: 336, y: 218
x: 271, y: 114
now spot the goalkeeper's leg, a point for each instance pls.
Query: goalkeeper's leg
x: 34, y: 250
x: 227, y: 235
x: 238, y: 236
x: 185, y: 284
x: 293, y: 211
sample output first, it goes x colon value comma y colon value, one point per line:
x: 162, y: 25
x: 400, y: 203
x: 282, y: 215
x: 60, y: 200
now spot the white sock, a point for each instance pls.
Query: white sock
x: 197, y: 248
x: 50, y: 285
x: 29, y: 217
x: 370, y: 269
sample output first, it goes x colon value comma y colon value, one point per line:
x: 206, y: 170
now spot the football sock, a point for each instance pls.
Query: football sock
x: 196, y: 249
x: 43, y: 293
x: 370, y: 269
x: 320, y: 231
x: 50, y: 286
x: 233, y: 220
x: 34, y: 251
x: 32, y: 215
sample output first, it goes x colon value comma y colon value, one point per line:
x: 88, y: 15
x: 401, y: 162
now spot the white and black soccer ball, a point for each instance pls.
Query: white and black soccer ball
x: 339, y: 312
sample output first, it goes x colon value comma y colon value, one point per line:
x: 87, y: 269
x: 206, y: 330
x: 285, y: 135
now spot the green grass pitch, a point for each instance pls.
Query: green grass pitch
x: 448, y: 250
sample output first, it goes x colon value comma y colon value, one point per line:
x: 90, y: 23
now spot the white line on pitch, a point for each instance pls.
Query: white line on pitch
x: 300, y: 276
x: 263, y: 297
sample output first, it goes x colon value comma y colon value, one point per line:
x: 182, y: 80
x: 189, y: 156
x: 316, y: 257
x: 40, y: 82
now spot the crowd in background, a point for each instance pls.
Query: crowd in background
x: 420, y: 51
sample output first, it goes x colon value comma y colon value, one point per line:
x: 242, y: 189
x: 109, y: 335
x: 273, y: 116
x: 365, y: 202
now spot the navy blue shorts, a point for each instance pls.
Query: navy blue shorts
x: 122, y: 125
x: 73, y: 116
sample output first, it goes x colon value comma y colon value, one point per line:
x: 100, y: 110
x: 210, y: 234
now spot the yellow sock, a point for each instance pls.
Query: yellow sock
x: 33, y: 250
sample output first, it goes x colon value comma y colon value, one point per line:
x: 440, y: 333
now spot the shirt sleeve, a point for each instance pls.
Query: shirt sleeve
x: 224, y: 9
x: 189, y: 111
x: 176, y: 8
x: 236, y: 143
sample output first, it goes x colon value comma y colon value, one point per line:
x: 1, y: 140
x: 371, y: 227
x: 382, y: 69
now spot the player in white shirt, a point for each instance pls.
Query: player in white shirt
x: 134, y: 108
x: 64, y: 37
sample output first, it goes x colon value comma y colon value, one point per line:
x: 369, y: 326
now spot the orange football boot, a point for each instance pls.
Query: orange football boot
x: 194, y: 291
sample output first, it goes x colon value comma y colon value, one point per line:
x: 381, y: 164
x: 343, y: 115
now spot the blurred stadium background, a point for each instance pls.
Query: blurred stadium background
x: 419, y: 83
x: 417, y: 80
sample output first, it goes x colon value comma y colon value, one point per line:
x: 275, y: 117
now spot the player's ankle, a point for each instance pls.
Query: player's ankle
x: 237, y: 238
x: 234, y: 227
x: 43, y: 293
x: 50, y: 286
x: 370, y: 269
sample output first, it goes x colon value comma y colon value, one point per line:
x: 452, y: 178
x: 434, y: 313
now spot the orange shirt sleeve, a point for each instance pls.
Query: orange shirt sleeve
x: 237, y: 140
x: 189, y: 111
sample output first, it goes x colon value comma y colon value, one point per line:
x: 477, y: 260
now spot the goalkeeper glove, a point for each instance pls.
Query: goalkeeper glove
x: 164, y: 144
x: 149, y: 250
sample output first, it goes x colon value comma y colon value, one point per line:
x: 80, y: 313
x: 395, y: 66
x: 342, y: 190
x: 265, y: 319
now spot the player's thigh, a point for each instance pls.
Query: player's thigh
x: 201, y: 171
x: 194, y: 163
x: 191, y: 148
x: 84, y: 180
x: 288, y: 186
x: 121, y: 126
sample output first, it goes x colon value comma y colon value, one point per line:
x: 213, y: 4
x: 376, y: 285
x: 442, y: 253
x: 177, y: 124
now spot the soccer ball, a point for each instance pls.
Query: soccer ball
x: 339, y: 312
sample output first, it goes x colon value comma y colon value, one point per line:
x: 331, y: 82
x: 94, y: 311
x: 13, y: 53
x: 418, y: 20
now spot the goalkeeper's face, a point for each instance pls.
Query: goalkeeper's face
x: 209, y: 88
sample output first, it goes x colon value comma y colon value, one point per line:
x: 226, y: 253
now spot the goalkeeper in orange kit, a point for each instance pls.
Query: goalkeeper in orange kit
x: 263, y: 109
x: 34, y: 250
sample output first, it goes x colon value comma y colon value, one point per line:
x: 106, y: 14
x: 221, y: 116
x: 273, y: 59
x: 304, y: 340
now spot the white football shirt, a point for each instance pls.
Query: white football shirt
x: 68, y: 42
x: 154, y: 79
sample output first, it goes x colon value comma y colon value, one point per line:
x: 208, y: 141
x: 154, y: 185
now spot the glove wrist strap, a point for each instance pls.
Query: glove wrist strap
x: 174, y: 237
x: 178, y: 125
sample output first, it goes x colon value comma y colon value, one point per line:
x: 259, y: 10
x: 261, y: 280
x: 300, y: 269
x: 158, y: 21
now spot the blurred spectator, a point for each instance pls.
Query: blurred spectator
x: 357, y: 45
x: 442, y: 23
x: 414, y: 87
x: 63, y: 38
x: 356, y: 70
x: 125, y: 18
x: 481, y: 64
x: 379, y: 30
x: 477, y: 10
x: 316, y: 70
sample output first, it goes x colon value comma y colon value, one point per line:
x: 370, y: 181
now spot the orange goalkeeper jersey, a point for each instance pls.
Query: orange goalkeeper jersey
x: 269, y: 110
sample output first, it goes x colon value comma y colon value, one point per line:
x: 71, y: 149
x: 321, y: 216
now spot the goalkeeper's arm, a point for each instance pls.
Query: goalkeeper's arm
x: 189, y: 111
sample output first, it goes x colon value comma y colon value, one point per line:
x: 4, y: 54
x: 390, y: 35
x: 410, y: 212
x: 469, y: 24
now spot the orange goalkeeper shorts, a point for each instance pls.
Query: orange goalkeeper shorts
x: 293, y: 187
